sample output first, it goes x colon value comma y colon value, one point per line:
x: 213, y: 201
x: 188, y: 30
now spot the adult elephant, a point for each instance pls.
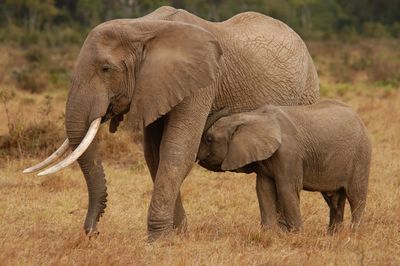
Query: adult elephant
x: 168, y: 71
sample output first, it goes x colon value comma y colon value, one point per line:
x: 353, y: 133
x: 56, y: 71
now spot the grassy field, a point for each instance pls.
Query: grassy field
x: 41, y: 217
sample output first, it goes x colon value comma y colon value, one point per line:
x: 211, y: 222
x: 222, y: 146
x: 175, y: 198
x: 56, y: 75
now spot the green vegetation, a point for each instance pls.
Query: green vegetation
x: 56, y: 22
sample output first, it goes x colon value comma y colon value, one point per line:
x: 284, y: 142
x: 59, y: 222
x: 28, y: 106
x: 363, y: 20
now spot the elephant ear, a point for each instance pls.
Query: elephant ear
x: 178, y: 60
x: 254, y: 140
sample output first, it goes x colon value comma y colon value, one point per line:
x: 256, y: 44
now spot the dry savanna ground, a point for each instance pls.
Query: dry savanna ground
x: 41, y: 217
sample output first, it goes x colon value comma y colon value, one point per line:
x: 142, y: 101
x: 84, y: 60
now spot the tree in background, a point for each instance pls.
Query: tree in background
x: 311, y: 18
x: 32, y: 15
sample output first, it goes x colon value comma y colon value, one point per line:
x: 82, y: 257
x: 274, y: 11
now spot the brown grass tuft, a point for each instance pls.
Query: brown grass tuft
x: 114, y: 146
x: 33, y: 139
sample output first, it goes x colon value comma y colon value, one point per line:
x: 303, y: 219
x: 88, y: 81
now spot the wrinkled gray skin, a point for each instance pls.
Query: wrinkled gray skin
x: 322, y: 147
x: 167, y: 71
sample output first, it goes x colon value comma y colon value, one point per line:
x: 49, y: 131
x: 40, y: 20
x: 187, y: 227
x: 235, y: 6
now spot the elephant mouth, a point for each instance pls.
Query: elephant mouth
x: 210, y: 166
x: 115, y: 116
x: 109, y: 114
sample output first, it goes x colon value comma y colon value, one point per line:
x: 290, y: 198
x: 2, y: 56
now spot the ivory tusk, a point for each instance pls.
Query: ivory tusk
x: 57, y: 154
x: 87, y: 140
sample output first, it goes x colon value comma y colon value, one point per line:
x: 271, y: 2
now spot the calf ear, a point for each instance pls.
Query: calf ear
x: 256, y: 139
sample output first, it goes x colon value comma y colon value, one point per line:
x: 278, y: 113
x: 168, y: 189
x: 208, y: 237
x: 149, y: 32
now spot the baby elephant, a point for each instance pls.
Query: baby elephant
x: 322, y: 147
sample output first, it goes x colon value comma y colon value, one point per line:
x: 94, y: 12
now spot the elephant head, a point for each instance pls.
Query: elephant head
x: 138, y: 66
x: 239, y: 139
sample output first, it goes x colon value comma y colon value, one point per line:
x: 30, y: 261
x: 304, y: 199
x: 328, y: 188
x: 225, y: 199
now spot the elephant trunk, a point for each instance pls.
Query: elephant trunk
x: 91, y: 166
x: 214, y: 117
x: 81, y: 110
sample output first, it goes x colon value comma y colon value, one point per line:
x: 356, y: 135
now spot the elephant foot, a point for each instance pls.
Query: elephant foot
x: 354, y: 227
x: 269, y: 226
x: 289, y: 228
x: 180, y: 221
x: 160, y: 232
x: 159, y: 235
x: 92, y: 233
x: 336, y: 228
x: 157, y: 228
x: 180, y: 224
x: 182, y: 227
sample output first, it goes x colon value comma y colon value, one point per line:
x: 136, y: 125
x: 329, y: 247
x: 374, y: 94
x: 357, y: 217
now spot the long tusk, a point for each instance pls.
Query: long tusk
x: 57, y: 154
x: 87, y: 140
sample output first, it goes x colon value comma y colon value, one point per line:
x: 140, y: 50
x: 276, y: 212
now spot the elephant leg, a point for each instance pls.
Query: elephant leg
x: 356, y: 193
x: 290, y: 200
x: 288, y: 186
x: 267, y: 200
x: 178, y: 149
x: 152, y: 141
x: 336, y: 201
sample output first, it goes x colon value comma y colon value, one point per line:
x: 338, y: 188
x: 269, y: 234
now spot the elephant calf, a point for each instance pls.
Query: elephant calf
x: 322, y: 147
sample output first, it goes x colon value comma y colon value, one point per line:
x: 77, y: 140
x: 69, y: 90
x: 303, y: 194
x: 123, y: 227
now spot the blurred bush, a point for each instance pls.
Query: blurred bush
x: 396, y: 29
x: 34, y: 139
x: 36, y: 68
x: 28, y: 139
x: 30, y: 79
x: 385, y: 73
x: 361, y: 61
x: 375, y: 30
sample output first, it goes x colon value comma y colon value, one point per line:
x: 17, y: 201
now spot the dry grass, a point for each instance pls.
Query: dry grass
x: 41, y: 218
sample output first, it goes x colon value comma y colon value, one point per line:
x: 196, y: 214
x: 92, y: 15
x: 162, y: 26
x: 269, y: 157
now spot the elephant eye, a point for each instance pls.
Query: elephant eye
x: 105, y: 68
x: 208, y: 139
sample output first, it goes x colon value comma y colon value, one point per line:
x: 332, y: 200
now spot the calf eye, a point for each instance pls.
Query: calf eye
x: 208, y: 139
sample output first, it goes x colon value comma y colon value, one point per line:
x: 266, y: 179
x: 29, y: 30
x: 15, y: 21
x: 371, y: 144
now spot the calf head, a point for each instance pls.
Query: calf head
x: 239, y: 139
